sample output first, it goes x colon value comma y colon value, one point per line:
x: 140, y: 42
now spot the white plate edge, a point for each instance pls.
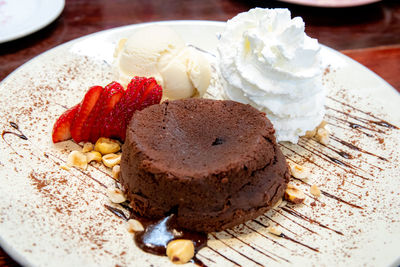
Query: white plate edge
x: 60, y: 4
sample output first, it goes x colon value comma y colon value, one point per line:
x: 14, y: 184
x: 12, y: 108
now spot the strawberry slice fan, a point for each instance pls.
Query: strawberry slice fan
x: 106, y: 112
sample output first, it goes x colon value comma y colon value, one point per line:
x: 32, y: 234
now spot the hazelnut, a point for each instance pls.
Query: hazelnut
x: 310, y: 134
x: 87, y: 147
x: 110, y: 160
x: 314, y: 190
x: 115, y: 172
x: 77, y: 159
x: 93, y: 156
x: 298, y: 171
x: 116, y: 195
x: 274, y: 230
x: 322, y: 124
x: 294, y: 195
x: 322, y: 136
x: 283, y: 204
x: 180, y: 251
x: 107, y: 146
x: 134, y: 226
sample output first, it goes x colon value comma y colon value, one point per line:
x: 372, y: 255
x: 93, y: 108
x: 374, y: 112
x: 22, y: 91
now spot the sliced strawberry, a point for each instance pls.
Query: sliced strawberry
x: 109, y: 98
x: 141, y: 92
x: 116, y: 121
x: 151, y: 95
x: 86, y: 106
x: 61, y: 129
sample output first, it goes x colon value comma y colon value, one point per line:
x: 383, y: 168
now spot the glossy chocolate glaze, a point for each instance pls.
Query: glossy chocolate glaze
x: 158, y: 234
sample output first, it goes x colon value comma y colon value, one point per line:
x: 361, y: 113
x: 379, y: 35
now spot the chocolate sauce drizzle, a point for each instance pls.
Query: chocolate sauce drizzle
x: 353, y: 124
x: 292, y: 239
x: 304, y: 217
x: 18, y: 134
x: 236, y: 250
x: 338, y: 162
x: 284, y: 227
x: 383, y: 124
x: 353, y: 147
x: 312, y: 162
x: 223, y: 256
x: 16, y: 127
x: 348, y: 156
x: 358, y: 129
x: 119, y: 213
x: 332, y: 196
x: 295, y: 222
x: 253, y: 248
x: 377, y: 121
x: 263, y: 235
x: 298, y: 242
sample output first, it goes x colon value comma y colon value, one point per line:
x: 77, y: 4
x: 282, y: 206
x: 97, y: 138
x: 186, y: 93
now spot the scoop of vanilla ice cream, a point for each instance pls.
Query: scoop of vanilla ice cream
x: 266, y: 60
x: 159, y: 52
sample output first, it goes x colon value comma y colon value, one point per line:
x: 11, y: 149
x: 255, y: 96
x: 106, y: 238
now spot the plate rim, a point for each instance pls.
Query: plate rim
x: 6, y: 246
x: 58, y: 5
x: 349, y: 3
x: 173, y: 22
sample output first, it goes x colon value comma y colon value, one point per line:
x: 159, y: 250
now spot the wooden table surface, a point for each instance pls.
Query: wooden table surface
x: 369, y: 34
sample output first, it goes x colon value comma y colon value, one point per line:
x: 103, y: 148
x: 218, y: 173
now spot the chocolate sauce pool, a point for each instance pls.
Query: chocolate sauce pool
x: 158, y: 233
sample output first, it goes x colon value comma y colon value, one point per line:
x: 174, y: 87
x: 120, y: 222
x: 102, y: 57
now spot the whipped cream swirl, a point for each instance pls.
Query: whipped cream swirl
x: 266, y: 60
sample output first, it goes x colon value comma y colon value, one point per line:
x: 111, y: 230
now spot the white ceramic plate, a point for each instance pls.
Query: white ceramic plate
x: 19, y: 18
x: 331, y: 3
x: 50, y: 216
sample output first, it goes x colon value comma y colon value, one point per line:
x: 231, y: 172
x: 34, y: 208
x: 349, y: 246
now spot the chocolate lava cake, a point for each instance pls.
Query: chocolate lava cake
x: 215, y: 164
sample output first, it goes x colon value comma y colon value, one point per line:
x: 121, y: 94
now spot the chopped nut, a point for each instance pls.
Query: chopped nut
x: 180, y: 251
x: 110, y: 160
x: 107, y: 146
x: 93, y: 156
x: 310, y: 134
x: 298, y: 171
x: 134, y: 226
x: 322, y: 125
x: 283, y: 204
x: 294, y: 195
x: 279, y: 202
x: 87, y: 147
x: 115, y: 171
x: 116, y: 195
x: 274, y: 230
x: 322, y: 136
x: 77, y: 159
x: 314, y: 190
x: 65, y: 167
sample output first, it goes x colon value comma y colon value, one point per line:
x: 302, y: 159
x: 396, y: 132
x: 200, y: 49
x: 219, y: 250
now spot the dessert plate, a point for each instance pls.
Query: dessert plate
x: 331, y: 3
x: 19, y: 18
x: 50, y: 216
